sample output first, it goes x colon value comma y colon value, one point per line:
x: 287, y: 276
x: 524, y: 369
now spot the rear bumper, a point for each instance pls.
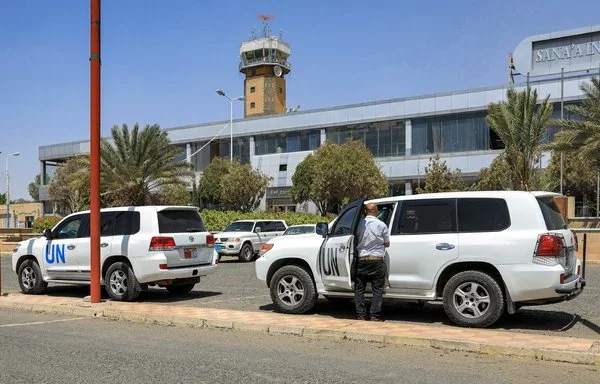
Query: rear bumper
x: 177, y: 273
x: 574, y: 291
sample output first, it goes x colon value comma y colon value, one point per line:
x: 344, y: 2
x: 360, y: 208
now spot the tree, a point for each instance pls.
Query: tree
x: 70, y: 186
x: 496, y: 177
x: 232, y: 185
x: 2, y: 198
x: 34, y: 188
x: 521, y: 124
x: 172, y: 195
x: 138, y: 163
x: 337, y: 173
x: 439, y: 178
x: 582, y: 134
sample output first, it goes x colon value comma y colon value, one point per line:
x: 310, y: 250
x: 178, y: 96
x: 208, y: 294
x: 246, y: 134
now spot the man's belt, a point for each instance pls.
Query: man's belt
x: 370, y: 258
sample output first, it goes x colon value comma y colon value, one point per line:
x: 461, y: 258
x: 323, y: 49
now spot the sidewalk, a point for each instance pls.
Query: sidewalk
x: 485, y: 341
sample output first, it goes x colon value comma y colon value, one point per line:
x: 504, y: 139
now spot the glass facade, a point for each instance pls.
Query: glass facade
x: 287, y: 142
x: 241, y: 149
x: 552, y: 131
x: 383, y: 138
x: 455, y: 133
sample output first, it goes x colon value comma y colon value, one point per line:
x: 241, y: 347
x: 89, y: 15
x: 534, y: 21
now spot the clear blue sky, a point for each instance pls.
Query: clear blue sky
x: 163, y: 60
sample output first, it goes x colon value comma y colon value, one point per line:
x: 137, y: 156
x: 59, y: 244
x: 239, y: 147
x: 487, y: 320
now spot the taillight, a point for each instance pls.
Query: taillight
x: 161, y: 243
x: 162, y: 266
x: 264, y: 249
x: 550, y: 248
x: 562, y: 278
x: 575, y: 240
x: 210, y: 240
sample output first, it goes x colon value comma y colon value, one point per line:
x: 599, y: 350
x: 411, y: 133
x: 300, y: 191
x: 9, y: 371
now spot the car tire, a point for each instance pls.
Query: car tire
x: 293, y: 290
x: 246, y: 253
x: 180, y: 289
x: 473, y: 299
x: 30, y: 278
x: 120, y: 282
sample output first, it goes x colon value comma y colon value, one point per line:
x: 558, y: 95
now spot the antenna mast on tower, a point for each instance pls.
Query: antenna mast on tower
x: 265, y: 20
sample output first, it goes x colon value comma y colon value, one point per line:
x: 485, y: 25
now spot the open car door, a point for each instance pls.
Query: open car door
x: 338, y: 250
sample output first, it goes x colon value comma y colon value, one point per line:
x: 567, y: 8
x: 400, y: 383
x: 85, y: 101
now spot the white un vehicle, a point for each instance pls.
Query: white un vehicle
x: 140, y: 246
x: 480, y: 253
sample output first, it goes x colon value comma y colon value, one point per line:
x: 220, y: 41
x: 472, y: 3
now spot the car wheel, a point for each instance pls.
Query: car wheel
x: 30, y: 278
x: 180, y: 289
x: 293, y: 290
x: 473, y: 299
x: 120, y: 282
x: 246, y: 253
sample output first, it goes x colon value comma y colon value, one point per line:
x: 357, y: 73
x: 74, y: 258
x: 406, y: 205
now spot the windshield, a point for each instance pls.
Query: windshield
x: 552, y: 216
x: 239, y: 226
x: 300, y: 230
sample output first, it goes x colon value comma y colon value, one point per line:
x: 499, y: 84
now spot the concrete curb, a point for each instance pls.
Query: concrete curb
x: 105, y: 310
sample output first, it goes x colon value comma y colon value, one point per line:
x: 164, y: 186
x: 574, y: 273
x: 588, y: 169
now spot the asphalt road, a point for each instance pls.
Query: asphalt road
x: 235, y: 286
x: 48, y: 348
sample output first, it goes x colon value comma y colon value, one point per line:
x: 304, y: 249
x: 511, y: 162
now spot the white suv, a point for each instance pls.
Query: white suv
x: 166, y: 246
x: 480, y: 253
x: 243, y: 238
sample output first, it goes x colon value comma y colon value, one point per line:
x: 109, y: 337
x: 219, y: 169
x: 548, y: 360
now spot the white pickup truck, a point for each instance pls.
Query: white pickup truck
x: 480, y: 253
x: 243, y: 238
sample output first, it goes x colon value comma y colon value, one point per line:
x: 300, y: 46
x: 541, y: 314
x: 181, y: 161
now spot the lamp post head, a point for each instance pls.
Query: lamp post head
x: 220, y: 92
x: 241, y: 98
x: 15, y: 154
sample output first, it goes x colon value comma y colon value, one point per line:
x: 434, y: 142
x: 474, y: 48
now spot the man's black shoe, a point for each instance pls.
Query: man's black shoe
x: 376, y: 318
x: 361, y: 317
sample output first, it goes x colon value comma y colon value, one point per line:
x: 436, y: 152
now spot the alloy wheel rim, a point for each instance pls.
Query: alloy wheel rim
x: 471, y: 300
x: 28, y: 277
x: 118, y: 282
x: 290, y: 290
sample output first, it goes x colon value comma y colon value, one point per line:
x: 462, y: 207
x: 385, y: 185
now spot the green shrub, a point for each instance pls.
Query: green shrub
x: 43, y: 222
x: 216, y: 221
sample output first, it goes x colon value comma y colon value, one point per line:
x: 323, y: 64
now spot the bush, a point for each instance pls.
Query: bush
x: 43, y: 222
x: 216, y: 221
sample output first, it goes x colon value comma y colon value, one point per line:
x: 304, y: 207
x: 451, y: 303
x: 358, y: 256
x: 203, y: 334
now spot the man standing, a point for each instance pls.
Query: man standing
x: 373, y: 238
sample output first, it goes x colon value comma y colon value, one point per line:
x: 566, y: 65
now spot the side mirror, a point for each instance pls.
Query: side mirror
x: 322, y: 229
x: 47, y: 233
x: 257, y: 229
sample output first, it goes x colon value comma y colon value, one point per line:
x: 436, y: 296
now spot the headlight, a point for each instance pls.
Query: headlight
x: 237, y: 240
x: 264, y: 249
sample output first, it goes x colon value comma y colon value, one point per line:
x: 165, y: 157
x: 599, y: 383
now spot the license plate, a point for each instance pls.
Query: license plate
x: 218, y: 247
x: 189, y: 253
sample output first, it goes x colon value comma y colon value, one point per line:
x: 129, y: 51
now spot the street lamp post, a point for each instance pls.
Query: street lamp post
x: 8, y: 189
x: 231, y: 100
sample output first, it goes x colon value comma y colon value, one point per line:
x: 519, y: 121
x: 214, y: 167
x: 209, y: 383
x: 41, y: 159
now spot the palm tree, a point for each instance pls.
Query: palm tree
x: 583, y: 133
x: 138, y: 163
x: 521, y: 123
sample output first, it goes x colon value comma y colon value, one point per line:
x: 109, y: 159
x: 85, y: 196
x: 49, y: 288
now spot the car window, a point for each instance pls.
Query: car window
x: 107, y: 221
x: 552, y: 216
x: 69, y: 229
x: 239, y: 226
x: 343, y: 226
x: 263, y: 225
x: 179, y: 220
x: 267, y: 226
x: 127, y: 223
x: 278, y: 226
x: 384, y: 213
x: 482, y: 215
x: 425, y: 217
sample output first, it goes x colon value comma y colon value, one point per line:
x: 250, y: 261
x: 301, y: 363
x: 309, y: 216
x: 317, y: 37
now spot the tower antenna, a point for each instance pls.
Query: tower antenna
x: 265, y: 17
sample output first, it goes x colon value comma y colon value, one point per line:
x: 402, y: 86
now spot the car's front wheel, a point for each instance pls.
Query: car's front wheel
x: 120, y: 282
x: 473, y: 299
x: 293, y: 290
x: 30, y: 278
x: 246, y: 253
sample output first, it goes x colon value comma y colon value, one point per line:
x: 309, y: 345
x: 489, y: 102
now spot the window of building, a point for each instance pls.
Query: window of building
x: 287, y: 142
x: 252, y: 104
x: 383, y: 139
x: 482, y: 215
x: 282, y: 167
x: 280, y: 90
x: 252, y: 89
x: 253, y: 72
x: 241, y: 149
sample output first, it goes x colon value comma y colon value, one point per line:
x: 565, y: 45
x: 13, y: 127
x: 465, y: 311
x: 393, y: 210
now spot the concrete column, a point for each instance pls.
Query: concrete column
x: 408, y: 137
x: 43, y: 173
x: 252, y: 149
x: 188, y: 152
x: 323, y: 136
x: 408, y: 188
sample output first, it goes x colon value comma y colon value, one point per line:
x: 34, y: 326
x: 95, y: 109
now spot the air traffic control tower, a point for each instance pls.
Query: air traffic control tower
x: 264, y: 61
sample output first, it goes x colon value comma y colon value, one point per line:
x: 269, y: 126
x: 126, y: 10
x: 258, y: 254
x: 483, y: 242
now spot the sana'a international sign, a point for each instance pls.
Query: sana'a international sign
x: 574, y: 50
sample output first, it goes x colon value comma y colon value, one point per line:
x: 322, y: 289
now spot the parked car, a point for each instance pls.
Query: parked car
x: 165, y: 246
x: 480, y: 253
x: 243, y: 238
x: 301, y: 229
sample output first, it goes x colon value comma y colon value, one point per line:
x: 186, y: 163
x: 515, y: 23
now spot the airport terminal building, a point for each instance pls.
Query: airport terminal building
x: 402, y: 134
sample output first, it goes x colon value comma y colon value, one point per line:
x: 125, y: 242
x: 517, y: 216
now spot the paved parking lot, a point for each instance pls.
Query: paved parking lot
x: 234, y: 286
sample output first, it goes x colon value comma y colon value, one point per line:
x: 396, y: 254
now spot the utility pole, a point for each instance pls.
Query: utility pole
x: 95, y: 151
